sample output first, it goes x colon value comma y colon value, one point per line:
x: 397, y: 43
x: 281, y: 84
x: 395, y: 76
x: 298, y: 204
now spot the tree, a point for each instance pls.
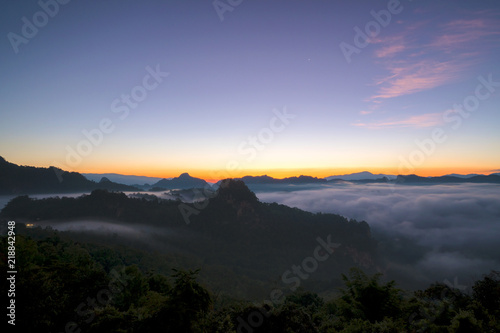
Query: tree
x: 487, y: 292
x: 188, y: 302
x: 365, y: 297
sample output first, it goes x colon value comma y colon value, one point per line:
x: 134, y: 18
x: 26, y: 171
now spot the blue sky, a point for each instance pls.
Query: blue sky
x: 227, y: 79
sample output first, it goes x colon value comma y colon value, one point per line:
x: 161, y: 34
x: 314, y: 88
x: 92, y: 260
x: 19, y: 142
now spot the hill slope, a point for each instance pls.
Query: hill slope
x: 15, y: 179
x: 122, y: 179
x: 232, y: 232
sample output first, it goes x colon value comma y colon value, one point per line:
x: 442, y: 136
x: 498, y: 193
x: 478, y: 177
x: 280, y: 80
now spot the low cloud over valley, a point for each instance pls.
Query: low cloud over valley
x: 426, y: 233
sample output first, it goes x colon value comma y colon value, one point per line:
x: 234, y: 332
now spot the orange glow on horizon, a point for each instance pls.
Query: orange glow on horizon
x: 216, y: 175
x: 158, y: 171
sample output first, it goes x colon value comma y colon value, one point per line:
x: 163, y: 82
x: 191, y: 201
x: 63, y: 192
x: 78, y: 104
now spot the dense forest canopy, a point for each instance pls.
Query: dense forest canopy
x: 95, y: 287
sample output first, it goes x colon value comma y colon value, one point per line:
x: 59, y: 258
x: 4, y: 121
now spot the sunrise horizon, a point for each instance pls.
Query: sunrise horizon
x: 213, y: 176
x: 281, y: 174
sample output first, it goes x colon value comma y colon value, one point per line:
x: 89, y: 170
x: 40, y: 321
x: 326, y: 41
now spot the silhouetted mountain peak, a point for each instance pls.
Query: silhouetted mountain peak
x: 104, y: 180
x: 16, y: 179
x: 184, y: 181
x: 364, y: 175
x: 234, y: 191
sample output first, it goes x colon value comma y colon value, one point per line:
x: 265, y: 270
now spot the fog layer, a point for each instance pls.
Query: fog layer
x: 429, y: 233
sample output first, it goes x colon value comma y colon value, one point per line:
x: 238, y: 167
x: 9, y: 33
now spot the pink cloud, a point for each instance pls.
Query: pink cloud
x: 389, y: 50
x: 364, y: 112
x: 411, y: 78
x: 467, y: 24
x: 459, y: 34
x: 419, y: 121
x: 421, y: 66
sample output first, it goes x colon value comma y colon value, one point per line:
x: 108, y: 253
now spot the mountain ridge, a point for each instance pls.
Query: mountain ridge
x: 360, y: 176
x: 184, y: 181
x: 399, y: 179
x: 131, y: 180
x: 16, y: 179
x: 234, y: 230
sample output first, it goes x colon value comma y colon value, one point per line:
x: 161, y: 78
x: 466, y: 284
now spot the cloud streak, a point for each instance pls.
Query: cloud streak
x: 422, y: 65
x: 365, y: 112
x: 419, y: 121
x: 406, y: 78
x: 390, y: 50
x: 459, y: 34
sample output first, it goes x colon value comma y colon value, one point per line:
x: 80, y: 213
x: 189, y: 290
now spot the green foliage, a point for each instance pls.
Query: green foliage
x: 487, y: 292
x: 99, y: 288
x: 136, y: 287
x: 366, y: 298
x: 464, y: 322
x: 184, y: 308
x: 110, y: 205
x: 305, y: 300
x: 159, y: 283
x: 60, y: 283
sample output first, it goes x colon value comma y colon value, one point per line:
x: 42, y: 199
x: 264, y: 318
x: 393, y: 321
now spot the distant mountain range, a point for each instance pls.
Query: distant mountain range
x: 470, y: 175
x: 123, y: 179
x: 361, y: 176
x: 184, y: 181
x: 367, y: 177
x: 414, y: 179
x: 15, y: 179
x: 252, y: 180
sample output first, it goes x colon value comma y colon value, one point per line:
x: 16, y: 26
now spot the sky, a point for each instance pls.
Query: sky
x: 228, y: 88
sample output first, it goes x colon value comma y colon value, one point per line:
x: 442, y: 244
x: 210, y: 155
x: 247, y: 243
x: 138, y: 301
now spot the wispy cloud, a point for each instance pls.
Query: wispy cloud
x: 365, y: 112
x: 389, y: 51
x: 418, y: 121
x: 392, y: 45
x: 459, y: 34
x: 408, y: 78
x: 416, y: 64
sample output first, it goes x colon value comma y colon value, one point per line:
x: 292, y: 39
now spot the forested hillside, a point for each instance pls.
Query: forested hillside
x: 71, y: 285
x: 232, y: 234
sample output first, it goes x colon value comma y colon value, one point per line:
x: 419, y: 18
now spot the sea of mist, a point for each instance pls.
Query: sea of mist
x: 427, y: 234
